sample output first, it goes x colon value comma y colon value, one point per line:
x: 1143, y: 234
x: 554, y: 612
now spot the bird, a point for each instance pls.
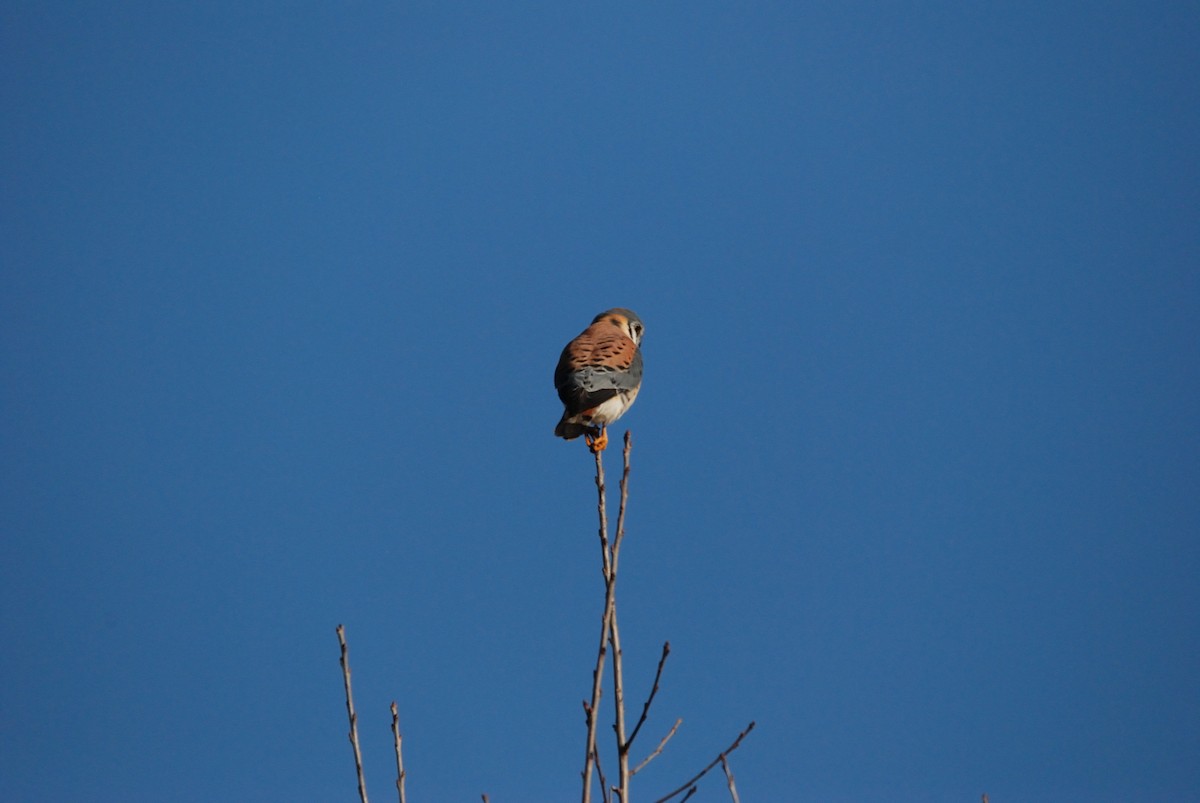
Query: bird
x: 598, y: 376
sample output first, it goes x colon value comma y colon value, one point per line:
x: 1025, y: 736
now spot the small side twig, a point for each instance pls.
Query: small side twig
x: 397, y: 738
x: 666, y: 650
x: 658, y: 749
x: 605, y: 793
x: 729, y: 777
x: 362, y: 782
x: 691, y: 782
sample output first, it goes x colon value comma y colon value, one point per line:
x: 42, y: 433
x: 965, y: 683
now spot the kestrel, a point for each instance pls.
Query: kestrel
x: 598, y: 376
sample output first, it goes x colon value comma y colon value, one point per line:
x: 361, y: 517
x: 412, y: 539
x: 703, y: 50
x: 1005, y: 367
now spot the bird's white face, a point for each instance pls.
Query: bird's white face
x: 632, y: 328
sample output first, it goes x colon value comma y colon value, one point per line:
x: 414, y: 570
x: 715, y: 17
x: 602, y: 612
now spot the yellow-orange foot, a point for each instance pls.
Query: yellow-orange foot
x: 597, y: 443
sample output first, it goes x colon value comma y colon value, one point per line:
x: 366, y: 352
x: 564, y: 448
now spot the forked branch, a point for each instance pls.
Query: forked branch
x: 609, y: 635
x: 592, y: 709
x: 614, y: 639
x: 729, y: 777
x: 610, y: 639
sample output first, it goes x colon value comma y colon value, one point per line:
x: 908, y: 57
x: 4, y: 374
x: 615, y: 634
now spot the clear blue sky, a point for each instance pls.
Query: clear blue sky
x: 917, y: 458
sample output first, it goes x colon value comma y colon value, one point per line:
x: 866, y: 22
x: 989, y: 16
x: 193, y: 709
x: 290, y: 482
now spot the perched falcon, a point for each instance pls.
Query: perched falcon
x: 598, y: 376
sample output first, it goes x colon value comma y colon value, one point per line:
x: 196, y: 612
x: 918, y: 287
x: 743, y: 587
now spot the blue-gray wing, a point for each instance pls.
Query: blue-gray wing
x: 596, y: 366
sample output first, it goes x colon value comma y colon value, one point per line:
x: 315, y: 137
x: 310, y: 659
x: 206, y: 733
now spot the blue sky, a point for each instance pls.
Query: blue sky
x: 916, y: 460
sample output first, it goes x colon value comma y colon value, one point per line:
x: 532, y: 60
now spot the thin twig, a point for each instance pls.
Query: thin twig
x: 729, y: 777
x: 691, y: 792
x: 614, y: 640
x: 592, y: 709
x: 397, y: 738
x: 620, y: 535
x: 605, y: 794
x: 658, y: 749
x: 362, y: 782
x: 714, y: 762
x: 666, y: 650
x: 615, y: 637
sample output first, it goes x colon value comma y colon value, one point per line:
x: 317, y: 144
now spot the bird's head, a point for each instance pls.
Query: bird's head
x: 624, y: 319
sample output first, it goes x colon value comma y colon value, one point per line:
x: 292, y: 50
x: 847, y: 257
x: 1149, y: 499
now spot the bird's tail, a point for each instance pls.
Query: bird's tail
x: 568, y: 430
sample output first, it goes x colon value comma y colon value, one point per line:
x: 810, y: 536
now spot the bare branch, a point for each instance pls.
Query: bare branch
x: 729, y: 777
x: 690, y: 792
x: 399, y: 756
x: 614, y: 640
x: 592, y: 709
x: 666, y: 650
x: 658, y: 749
x: 615, y: 636
x: 605, y: 793
x: 620, y: 535
x: 362, y: 783
x: 712, y: 764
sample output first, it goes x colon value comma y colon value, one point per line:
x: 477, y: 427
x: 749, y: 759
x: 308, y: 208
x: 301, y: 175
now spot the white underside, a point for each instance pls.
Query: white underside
x: 607, y: 412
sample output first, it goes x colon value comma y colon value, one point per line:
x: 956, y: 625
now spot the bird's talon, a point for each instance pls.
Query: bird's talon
x: 597, y: 443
